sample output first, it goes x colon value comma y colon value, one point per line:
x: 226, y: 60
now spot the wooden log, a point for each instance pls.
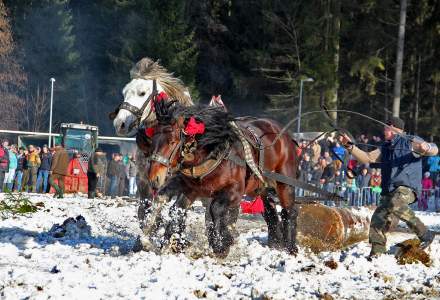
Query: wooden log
x: 323, y: 228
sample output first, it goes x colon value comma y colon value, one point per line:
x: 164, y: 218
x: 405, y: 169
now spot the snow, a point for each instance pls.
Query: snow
x: 98, y: 263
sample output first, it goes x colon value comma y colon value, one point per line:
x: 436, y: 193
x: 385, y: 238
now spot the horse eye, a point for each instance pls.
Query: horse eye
x: 142, y: 94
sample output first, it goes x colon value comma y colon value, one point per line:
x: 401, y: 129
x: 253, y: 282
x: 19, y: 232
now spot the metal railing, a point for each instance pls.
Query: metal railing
x: 428, y: 201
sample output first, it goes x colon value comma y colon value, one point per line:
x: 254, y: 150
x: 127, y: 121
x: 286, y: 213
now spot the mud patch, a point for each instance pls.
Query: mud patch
x: 409, y: 252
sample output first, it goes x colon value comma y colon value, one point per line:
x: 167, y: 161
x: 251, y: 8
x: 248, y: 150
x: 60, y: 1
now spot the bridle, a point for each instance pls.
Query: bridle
x: 137, y: 112
x: 166, y: 161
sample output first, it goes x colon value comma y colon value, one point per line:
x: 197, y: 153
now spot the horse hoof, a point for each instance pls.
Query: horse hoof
x: 221, y: 253
x: 177, y: 244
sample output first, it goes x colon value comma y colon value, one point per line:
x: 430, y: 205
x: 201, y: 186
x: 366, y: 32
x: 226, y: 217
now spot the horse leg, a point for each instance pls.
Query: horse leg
x: 145, y: 194
x: 218, y: 215
x: 270, y: 215
x: 289, y: 216
x: 175, y: 228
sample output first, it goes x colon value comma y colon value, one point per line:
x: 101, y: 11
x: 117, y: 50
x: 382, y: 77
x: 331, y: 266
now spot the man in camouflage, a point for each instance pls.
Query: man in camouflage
x: 400, y: 159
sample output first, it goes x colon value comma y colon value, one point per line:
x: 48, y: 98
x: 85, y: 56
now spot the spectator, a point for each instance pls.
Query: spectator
x: 113, y: 174
x: 426, y: 191
x: 4, y: 162
x: 123, y: 176
x: 434, y: 166
x: 96, y: 170
x: 327, y: 157
x: 58, y: 170
x: 21, y: 161
x: 352, y: 191
x: 316, y: 152
x: 305, y: 168
x: 328, y: 180
x: 34, y: 163
x: 338, y: 152
x: 363, y: 182
x: 26, y: 172
x: 375, y: 184
x: 9, y: 180
x: 132, y: 172
x: 317, y: 171
x: 43, y: 173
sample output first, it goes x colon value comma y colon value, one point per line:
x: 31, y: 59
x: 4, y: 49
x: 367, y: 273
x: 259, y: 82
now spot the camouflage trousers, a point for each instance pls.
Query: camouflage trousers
x: 394, y: 205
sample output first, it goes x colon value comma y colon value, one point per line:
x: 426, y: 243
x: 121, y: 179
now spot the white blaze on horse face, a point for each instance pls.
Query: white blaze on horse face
x: 136, y: 93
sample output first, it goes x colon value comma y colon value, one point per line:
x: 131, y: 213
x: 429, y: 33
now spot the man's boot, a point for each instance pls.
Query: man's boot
x: 376, y: 251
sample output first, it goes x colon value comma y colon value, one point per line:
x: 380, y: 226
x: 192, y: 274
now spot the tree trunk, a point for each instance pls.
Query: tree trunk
x: 332, y: 100
x: 417, y: 104
x: 399, y: 61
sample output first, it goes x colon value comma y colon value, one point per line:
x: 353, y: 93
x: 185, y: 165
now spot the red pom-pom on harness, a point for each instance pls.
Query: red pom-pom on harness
x: 149, y: 132
x: 193, y: 127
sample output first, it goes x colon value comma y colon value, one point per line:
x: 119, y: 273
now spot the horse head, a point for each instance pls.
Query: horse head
x: 147, y: 79
x: 166, y: 144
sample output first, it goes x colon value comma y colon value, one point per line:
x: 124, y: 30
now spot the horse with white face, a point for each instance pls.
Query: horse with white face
x: 148, y: 78
x: 135, y: 113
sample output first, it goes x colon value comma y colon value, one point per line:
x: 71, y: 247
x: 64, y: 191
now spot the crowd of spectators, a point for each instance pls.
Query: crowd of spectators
x: 29, y: 169
x: 326, y: 164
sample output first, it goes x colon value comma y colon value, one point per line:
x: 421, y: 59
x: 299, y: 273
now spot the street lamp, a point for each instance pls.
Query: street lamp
x: 50, y: 114
x: 300, y: 101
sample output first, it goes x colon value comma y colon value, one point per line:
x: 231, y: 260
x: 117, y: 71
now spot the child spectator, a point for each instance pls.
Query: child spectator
x: 426, y: 191
x: 363, y: 181
x: 375, y: 183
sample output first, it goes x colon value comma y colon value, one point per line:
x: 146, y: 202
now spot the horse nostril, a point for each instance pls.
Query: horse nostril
x: 122, y: 125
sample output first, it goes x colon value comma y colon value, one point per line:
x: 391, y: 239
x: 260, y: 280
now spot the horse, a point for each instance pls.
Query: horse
x: 211, y: 165
x: 135, y: 113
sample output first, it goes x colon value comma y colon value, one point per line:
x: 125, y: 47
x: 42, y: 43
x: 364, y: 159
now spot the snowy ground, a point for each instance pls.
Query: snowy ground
x: 35, y: 265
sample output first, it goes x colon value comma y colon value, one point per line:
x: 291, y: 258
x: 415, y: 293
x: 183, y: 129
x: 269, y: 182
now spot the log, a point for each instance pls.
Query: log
x: 323, y: 228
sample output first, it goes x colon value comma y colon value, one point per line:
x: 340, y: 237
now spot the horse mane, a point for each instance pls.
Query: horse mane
x: 218, y: 131
x: 148, y: 69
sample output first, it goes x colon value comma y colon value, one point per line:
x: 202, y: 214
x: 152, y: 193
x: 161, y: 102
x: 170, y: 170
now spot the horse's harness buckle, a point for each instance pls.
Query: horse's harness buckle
x: 188, y: 150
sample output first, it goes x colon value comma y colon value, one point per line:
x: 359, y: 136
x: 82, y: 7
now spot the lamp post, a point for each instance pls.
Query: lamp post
x: 50, y: 113
x: 300, y: 101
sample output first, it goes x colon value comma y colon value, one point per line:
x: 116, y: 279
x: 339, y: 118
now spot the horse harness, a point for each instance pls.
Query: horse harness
x: 205, y: 168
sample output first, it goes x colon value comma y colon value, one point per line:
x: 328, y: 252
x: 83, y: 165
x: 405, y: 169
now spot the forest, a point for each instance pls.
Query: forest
x: 374, y: 57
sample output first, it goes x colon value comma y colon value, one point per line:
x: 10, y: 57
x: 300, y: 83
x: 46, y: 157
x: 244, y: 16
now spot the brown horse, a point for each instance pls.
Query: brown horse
x: 211, y: 165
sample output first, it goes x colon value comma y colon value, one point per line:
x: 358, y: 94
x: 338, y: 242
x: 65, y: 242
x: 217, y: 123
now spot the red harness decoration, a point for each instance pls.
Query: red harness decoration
x: 252, y: 207
x: 193, y: 127
x: 149, y: 132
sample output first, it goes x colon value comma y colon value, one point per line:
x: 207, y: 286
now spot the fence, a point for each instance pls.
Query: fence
x: 429, y: 200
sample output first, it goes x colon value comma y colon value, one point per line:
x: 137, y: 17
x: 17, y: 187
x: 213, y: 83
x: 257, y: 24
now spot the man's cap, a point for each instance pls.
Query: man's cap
x: 396, y: 122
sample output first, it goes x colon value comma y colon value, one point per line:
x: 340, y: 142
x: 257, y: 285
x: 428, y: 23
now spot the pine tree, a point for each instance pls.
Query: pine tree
x: 49, y: 50
x: 12, y: 77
